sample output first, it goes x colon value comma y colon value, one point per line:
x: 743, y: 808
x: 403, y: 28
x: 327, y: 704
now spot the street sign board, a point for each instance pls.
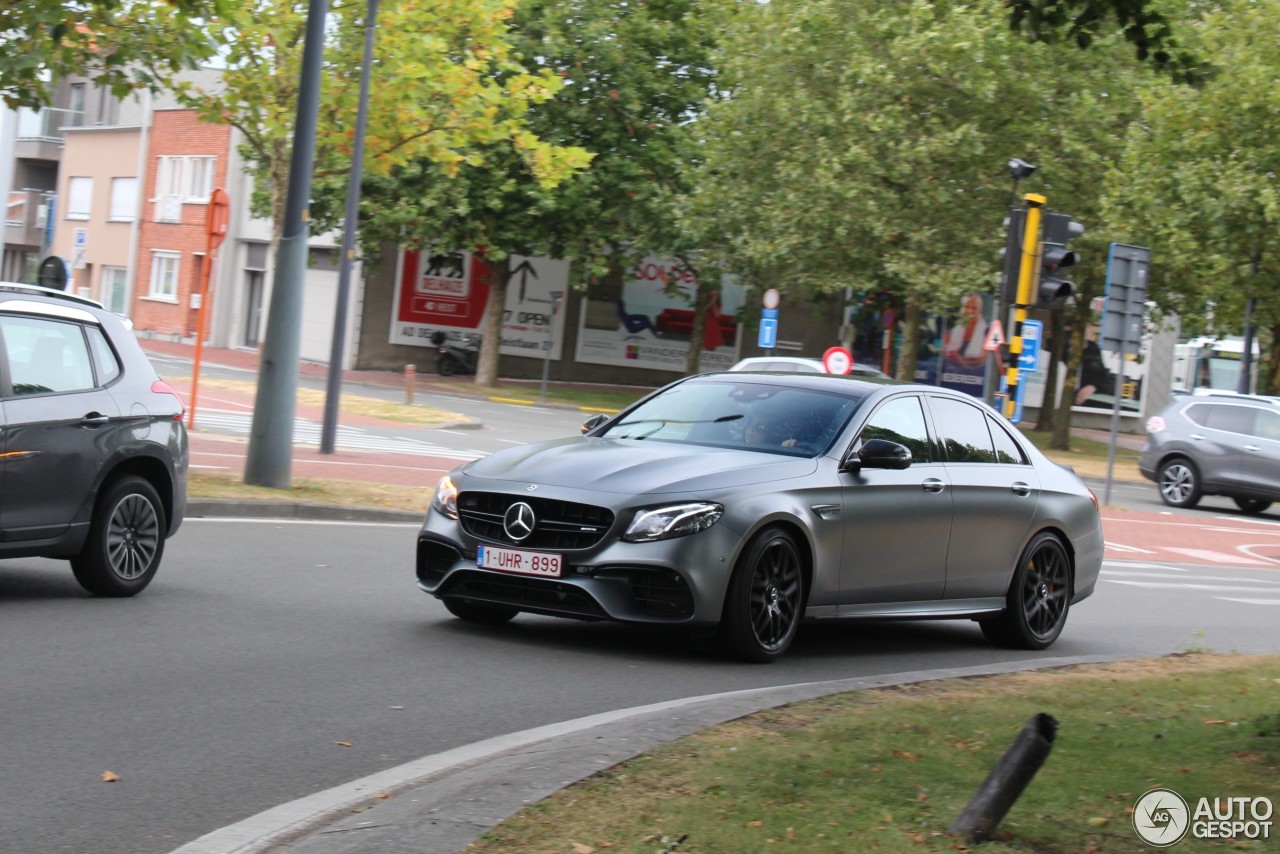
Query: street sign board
x: 995, y: 336
x: 1032, y: 334
x: 1126, y: 297
x: 837, y: 360
x: 768, y: 334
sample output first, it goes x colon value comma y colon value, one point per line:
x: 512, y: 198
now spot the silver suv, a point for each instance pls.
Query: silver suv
x: 1215, y: 445
x: 93, y: 452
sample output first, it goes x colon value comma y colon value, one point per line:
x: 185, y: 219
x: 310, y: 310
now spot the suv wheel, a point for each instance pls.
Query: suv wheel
x: 1252, y: 505
x: 126, y: 540
x: 1179, y: 483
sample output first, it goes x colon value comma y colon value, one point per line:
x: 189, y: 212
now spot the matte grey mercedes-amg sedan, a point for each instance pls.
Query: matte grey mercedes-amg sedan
x: 741, y: 503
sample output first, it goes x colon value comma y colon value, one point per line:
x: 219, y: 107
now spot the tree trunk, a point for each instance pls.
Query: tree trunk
x: 1271, y: 374
x: 1057, y: 337
x: 1062, y: 419
x: 908, y: 354
x: 487, y: 365
x: 700, y: 303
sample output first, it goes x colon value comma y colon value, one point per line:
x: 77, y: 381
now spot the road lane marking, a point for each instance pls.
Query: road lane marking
x: 1217, y: 557
x: 1117, y: 547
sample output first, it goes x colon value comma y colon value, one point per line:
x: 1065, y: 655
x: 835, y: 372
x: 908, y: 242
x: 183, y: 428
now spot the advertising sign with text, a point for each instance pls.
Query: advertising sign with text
x: 449, y: 292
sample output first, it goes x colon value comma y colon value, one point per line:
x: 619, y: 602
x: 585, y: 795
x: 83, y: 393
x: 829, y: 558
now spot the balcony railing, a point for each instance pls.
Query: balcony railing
x: 26, y: 217
x: 47, y: 123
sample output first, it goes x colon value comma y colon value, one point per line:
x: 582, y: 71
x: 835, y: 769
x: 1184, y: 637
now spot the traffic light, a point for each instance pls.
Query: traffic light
x: 1011, y: 254
x: 1057, y: 230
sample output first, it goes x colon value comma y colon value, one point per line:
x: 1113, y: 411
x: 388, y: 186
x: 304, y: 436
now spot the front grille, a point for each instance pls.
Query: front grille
x: 561, y: 525
x: 539, y: 595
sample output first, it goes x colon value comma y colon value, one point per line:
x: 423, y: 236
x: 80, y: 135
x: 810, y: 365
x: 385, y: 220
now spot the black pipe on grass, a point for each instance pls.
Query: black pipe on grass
x: 978, y: 820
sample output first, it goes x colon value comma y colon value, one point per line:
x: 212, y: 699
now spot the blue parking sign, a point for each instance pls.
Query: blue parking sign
x: 1032, y: 332
x: 768, y: 334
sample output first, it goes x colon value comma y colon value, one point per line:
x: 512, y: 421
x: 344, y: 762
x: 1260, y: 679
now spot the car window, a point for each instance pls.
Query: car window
x: 104, y: 358
x: 1007, y: 449
x: 1267, y: 425
x: 901, y: 420
x: 963, y: 429
x: 1231, y: 419
x: 45, y: 355
x: 750, y: 415
x: 1199, y: 413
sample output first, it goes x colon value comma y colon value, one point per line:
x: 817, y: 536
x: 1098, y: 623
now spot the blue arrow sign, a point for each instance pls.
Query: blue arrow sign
x: 768, y: 334
x: 1032, y: 333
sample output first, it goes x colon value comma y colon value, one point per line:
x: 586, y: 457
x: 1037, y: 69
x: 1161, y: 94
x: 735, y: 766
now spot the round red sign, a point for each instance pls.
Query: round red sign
x: 837, y: 360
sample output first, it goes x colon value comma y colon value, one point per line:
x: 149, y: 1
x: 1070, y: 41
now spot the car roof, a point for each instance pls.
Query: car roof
x: 16, y: 289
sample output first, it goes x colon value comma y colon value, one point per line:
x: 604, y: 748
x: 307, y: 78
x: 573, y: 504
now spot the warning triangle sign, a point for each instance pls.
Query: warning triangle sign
x: 995, y: 336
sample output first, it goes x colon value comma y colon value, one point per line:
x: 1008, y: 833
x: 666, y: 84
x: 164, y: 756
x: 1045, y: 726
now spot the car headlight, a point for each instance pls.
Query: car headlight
x: 663, y: 523
x: 445, y: 501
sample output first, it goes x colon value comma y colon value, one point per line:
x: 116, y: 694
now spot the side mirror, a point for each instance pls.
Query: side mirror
x: 880, y: 454
x: 593, y: 422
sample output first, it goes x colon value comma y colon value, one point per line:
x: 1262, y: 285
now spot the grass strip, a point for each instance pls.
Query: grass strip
x: 889, y: 770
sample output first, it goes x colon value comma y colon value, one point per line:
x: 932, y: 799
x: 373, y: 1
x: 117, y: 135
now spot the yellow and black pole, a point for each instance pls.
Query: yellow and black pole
x: 1027, y: 271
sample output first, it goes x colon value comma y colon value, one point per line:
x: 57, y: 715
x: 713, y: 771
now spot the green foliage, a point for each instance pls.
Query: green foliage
x: 445, y: 85
x: 1198, y: 182
x: 125, y: 45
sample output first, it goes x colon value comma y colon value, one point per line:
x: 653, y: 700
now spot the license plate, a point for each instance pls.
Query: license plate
x: 514, y: 560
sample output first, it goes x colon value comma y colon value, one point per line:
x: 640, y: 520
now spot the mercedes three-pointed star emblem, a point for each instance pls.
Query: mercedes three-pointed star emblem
x: 519, y: 521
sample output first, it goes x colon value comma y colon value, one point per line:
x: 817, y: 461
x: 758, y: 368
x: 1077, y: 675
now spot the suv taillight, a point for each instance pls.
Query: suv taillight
x: 162, y: 387
x: 1155, y: 424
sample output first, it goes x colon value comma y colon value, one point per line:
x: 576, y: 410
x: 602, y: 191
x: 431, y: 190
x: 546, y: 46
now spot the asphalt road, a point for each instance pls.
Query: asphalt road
x: 272, y: 660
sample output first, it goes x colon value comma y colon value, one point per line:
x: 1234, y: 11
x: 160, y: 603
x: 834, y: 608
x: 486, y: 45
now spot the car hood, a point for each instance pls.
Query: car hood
x: 633, y: 467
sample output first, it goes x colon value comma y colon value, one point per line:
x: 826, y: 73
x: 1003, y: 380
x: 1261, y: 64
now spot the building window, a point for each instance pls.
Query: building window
x: 75, y: 106
x: 164, y: 276
x: 124, y: 200
x: 79, y: 198
x: 200, y: 177
x: 168, y: 198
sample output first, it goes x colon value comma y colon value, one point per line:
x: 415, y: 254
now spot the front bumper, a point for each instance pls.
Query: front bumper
x: 677, y: 581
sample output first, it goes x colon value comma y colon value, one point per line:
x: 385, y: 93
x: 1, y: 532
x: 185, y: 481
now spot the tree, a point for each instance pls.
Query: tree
x: 436, y: 97
x: 124, y: 45
x: 1198, y: 180
x: 1081, y: 21
x: 633, y: 74
x: 864, y: 146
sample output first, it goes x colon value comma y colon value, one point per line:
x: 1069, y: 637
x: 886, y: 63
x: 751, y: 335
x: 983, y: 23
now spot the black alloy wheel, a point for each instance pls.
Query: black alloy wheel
x: 1039, y: 598
x: 765, y: 601
x: 126, y: 540
x: 447, y: 365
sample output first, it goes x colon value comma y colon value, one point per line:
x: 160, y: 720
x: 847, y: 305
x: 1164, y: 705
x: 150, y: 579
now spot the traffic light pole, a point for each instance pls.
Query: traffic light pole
x: 1025, y: 297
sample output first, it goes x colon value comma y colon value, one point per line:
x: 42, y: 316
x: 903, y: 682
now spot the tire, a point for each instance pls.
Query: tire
x: 1179, y: 482
x: 1252, y: 505
x: 1038, y: 600
x: 475, y: 612
x: 447, y: 365
x: 126, y: 540
x: 765, y: 600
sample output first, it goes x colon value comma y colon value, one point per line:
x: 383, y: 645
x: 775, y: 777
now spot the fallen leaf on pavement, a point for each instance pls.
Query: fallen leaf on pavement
x: 110, y: 777
x: 343, y: 743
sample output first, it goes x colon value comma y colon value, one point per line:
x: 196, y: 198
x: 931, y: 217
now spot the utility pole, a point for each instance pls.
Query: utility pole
x: 350, y: 222
x: 270, y: 456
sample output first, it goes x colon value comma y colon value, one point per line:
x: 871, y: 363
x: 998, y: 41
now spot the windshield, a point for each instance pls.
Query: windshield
x: 728, y: 414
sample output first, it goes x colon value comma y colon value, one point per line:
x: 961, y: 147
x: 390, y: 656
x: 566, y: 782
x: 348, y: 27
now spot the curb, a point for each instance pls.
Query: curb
x: 445, y: 801
x: 236, y: 508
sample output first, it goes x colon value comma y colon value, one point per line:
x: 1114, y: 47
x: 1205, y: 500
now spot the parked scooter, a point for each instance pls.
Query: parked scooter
x: 452, y: 360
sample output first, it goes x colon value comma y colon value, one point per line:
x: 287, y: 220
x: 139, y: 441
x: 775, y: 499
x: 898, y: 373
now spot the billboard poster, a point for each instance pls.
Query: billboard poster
x: 1096, y: 385
x: 638, y: 323
x: 449, y: 292
x: 964, y: 359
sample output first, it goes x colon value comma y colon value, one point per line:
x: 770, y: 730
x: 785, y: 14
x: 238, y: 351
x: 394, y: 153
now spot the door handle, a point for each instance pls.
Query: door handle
x: 94, y: 419
x: 1020, y: 488
x: 1252, y: 448
x: 1197, y: 437
x: 933, y: 485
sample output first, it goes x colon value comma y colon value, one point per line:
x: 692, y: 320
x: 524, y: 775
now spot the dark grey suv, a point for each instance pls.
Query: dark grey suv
x: 1215, y: 445
x: 93, y: 452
